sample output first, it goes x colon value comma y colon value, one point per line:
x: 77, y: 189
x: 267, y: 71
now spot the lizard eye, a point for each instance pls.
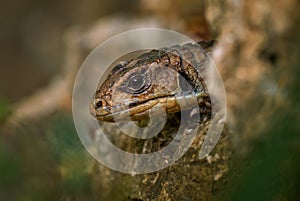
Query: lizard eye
x: 136, y: 84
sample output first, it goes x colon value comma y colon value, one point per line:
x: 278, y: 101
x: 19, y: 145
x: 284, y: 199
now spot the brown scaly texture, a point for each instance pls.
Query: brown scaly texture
x: 187, y: 179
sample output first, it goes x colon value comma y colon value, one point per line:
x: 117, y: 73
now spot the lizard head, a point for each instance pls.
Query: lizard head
x: 134, y: 88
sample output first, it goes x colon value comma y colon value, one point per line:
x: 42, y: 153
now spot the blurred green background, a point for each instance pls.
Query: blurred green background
x: 43, y: 159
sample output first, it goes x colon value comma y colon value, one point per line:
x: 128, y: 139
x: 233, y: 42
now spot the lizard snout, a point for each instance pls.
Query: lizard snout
x: 99, y: 107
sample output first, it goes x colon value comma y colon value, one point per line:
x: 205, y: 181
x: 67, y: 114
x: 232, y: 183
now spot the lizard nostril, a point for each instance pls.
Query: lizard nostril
x: 98, y: 103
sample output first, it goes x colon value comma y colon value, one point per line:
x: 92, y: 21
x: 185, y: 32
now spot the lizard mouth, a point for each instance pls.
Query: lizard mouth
x: 135, y: 111
x: 132, y: 111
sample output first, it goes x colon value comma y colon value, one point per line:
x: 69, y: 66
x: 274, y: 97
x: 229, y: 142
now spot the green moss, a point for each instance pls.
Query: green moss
x: 4, y: 109
x: 9, y: 167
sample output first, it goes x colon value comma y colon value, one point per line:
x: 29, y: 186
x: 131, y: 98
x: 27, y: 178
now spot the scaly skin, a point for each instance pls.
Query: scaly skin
x: 189, y: 178
x: 158, y: 78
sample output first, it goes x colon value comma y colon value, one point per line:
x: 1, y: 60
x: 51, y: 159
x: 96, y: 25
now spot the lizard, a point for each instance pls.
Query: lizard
x: 139, y: 84
x: 130, y: 88
x: 134, y: 87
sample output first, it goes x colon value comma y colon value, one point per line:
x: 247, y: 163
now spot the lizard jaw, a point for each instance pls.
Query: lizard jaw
x: 136, y: 112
